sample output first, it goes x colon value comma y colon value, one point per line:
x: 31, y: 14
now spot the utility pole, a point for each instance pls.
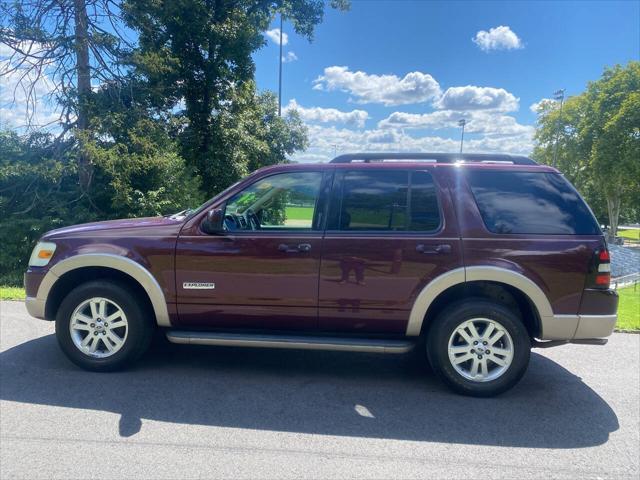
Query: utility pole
x: 462, y: 123
x: 558, y: 95
x: 280, y: 73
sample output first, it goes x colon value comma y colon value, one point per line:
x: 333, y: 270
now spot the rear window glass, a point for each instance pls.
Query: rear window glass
x: 527, y: 202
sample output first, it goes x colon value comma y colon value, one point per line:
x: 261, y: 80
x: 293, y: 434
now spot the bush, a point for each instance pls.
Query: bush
x: 39, y: 188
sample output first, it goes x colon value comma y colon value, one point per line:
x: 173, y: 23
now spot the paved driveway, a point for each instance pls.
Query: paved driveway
x: 187, y: 412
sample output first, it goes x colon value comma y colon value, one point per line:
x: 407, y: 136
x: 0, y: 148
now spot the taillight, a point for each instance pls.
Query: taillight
x: 600, y: 272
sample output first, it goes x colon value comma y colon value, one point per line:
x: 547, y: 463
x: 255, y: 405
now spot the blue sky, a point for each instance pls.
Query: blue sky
x: 399, y: 75
x: 527, y: 51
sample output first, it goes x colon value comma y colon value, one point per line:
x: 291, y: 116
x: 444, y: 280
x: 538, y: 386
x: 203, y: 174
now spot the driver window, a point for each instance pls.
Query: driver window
x: 285, y: 201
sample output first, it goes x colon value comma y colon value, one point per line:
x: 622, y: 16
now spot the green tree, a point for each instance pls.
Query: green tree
x: 68, y: 44
x: 198, y: 53
x: 598, y: 143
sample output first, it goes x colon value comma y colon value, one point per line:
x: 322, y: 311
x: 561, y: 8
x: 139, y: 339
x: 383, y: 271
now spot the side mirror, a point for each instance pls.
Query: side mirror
x: 212, y: 224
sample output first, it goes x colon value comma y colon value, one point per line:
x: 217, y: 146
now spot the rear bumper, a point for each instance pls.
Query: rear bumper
x: 595, y: 326
x: 596, y: 318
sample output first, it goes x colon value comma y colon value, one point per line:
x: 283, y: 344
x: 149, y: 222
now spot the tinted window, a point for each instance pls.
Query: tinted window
x: 390, y: 200
x: 524, y: 202
x: 284, y: 201
x: 425, y: 215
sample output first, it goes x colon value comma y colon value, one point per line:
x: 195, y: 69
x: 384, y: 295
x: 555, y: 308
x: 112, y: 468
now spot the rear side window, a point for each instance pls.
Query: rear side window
x: 534, y: 203
x: 387, y: 200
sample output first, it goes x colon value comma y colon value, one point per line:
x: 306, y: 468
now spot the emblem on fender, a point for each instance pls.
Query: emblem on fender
x: 198, y: 286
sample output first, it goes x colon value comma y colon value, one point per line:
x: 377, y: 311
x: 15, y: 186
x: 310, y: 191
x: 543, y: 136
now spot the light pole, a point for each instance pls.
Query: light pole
x: 558, y: 95
x: 462, y: 123
x: 280, y: 73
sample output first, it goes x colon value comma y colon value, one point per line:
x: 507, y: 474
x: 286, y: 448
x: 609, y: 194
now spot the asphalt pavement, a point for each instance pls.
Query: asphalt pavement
x: 201, y: 412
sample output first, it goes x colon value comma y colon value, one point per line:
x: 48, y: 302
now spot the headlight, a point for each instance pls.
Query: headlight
x: 41, y: 254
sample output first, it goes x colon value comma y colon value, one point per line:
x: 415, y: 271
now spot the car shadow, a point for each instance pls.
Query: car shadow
x: 330, y: 393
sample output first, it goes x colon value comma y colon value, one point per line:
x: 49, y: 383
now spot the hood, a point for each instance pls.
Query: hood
x: 148, y: 226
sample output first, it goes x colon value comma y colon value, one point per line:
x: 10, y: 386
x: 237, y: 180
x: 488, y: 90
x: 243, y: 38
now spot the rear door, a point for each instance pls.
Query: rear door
x: 390, y: 232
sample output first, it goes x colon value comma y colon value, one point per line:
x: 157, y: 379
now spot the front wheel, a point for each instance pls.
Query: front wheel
x: 100, y: 326
x: 478, y: 348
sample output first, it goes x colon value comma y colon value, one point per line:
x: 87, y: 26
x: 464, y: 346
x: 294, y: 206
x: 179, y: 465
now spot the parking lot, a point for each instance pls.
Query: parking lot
x: 187, y: 412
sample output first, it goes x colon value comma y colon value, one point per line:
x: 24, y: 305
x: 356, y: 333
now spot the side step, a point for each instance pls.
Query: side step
x: 290, y: 341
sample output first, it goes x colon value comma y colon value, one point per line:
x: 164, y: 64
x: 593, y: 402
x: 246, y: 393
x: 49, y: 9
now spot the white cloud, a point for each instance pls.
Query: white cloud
x: 21, y: 103
x: 488, y: 123
x: 542, y: 104
x: 498, y: 38
x: 471, y: 97
x: 414, y: 87
x: 274, y: 36
x: 289, y: 57
x: 323, y: 141
x: 329, y: 115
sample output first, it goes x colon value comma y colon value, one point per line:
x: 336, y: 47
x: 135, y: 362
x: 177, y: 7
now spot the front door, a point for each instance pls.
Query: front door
x: 262, y: 271
x: 388, y: 236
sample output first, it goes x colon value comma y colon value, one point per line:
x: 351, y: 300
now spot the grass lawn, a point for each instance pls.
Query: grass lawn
x: 631, y: 233
x: 11, y: 293
x: 629, y: 308
x: 299, y: 213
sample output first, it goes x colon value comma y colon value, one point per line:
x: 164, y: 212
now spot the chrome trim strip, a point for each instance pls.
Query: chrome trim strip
x: 123, y: 264
x: 428, y: 295
x: 289, y: 342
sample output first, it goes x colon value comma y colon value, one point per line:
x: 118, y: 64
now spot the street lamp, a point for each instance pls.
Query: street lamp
x: 280, y: 73
x: 462, y: 123
x: 558, y: 95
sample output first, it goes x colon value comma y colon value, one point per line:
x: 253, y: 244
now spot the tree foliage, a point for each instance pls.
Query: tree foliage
x: 147, y: 127
x: 198, y: 53
x: 599, y: 143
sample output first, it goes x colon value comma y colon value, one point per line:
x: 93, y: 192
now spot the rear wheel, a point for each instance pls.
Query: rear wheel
x: 478, y: 348
x: 100, y: 326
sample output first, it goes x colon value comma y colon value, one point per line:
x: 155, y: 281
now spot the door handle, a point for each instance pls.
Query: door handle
x: 300, y: 248
x: 435, y: 250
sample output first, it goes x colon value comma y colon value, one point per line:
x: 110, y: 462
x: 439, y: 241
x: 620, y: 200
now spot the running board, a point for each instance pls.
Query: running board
x: 290, y: 341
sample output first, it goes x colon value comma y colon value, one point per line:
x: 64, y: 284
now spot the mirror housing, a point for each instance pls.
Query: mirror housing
x: 213, y: 222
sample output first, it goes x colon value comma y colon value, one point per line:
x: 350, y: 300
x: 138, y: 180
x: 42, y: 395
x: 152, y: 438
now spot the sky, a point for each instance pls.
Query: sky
x: 399, y: 75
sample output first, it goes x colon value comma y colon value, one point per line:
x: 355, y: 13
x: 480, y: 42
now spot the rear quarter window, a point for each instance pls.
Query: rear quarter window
x: 531, y: 203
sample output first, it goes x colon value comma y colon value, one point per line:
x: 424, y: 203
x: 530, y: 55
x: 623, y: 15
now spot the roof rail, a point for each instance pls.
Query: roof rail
x: 434, y: 158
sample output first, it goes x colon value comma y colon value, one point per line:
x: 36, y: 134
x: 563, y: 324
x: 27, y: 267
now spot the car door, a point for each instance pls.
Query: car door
x: 261, y: 271
x: 390, y: 232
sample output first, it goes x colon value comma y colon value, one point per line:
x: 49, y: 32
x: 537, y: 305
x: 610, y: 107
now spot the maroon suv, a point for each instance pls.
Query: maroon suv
x: 483, y: 256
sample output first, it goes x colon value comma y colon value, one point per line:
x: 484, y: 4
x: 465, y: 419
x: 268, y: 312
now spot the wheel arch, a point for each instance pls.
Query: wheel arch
x: 65, y: 275
x: 485, y: 281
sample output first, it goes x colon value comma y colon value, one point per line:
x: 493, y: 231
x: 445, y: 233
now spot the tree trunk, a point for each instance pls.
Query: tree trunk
x: 83, y: 73
x: 613, y: 208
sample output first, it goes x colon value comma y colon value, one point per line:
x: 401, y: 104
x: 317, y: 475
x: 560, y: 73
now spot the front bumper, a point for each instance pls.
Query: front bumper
x: 35, y: 307
x: 32, y: 280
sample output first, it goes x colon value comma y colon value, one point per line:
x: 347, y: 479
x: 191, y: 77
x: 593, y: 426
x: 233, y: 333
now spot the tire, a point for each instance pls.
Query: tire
x: 453, y: 357
x: 77, y: 321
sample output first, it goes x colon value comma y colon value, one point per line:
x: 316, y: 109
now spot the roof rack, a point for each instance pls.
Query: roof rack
x: 434, y: 158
